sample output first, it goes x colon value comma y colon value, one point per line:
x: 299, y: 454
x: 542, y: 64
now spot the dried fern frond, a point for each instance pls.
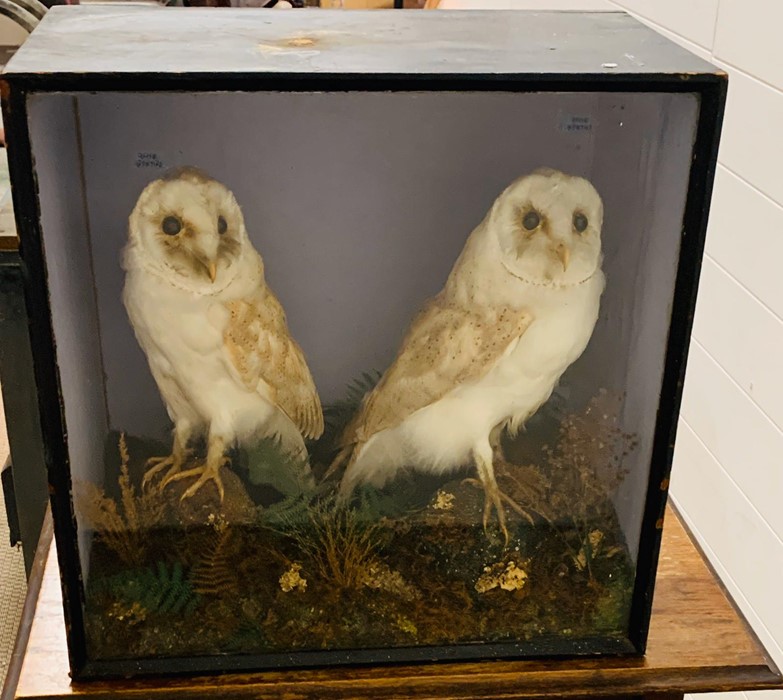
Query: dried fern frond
x: 121, y: 526
x: 268, y: 463
x: 214, y: 574
x: 162, y: 590
x: 337, y: 415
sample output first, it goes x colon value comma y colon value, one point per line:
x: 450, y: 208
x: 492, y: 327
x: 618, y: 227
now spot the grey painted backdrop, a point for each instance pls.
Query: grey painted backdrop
x: 71, y: 289
x: 360, y: 203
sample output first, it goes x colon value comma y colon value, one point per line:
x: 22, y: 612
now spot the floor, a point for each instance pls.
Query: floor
x: 12, y: 579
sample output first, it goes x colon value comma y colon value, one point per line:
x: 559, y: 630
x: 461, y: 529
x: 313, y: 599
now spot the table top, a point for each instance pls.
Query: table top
x: 8, y: 239
x: 698, y: 642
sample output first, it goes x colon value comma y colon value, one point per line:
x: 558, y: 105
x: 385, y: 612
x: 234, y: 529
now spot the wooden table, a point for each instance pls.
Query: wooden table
x: 698, y: 642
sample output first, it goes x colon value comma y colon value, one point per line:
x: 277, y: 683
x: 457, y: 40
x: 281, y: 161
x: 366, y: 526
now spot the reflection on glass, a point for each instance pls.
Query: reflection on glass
x: 431, y: 522
x: 415, y: 410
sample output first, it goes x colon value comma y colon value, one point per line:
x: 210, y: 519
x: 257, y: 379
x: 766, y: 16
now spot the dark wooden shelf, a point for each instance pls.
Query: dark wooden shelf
x: 698, y: 642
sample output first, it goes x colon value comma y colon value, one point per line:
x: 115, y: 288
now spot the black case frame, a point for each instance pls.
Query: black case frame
x: 709, y: 87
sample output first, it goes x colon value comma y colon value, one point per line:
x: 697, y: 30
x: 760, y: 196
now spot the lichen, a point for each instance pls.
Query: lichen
x: 443, y: 500
x: 505, y: 575
x: 293, y: 580
x: 129, y: 613
x: 406, y: 625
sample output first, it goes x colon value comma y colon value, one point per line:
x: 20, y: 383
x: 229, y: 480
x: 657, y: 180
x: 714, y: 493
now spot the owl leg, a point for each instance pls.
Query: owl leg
x: 182, y: 434
x: 482, y: 454
x: 216, y: 458
x: 495, y: 439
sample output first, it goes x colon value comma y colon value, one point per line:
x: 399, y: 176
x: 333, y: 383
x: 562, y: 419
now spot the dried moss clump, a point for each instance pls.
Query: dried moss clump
x: 292, y: 580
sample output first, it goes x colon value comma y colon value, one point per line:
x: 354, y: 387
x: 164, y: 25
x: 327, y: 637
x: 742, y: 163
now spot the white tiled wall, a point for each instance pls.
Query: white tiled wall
x: 728, y: 472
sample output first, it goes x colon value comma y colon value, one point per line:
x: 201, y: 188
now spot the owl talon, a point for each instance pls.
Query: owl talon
x: 204, y: 474
x: 492, y: 499
x: 155, y: 465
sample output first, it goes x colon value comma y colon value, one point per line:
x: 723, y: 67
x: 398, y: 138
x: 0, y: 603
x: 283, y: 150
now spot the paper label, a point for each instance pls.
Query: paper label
x: 576, y: 123
x: 149, y: 160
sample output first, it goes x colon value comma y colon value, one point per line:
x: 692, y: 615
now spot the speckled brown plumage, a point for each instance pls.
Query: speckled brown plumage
x: 446, y: 346
x: 262, y: 350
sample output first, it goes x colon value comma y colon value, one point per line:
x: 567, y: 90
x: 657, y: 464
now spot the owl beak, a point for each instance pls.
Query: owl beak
x: 212, y: 269
x: 563, y: 253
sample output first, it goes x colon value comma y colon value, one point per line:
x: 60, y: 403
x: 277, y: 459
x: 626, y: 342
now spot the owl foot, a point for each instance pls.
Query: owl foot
x: 205, y: 474
x: 155, y: 465
x: 493, y: 498
x: 504, y: 498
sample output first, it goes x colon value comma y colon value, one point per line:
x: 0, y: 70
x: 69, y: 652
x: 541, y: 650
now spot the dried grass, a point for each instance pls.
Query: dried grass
x: 123, y: 526
x: 341, y: 548
x: 586, y: 468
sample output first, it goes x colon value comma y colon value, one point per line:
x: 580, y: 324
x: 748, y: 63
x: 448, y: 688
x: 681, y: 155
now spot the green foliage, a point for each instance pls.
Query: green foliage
x: 338, y: 414
x: 160, y: 590
x: 269, y: 464
x: 287, y: 513
x: 404, y: 495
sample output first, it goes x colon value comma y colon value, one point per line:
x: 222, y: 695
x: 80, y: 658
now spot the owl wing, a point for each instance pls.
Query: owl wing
x: 445, y: 346
x: 262, y: 352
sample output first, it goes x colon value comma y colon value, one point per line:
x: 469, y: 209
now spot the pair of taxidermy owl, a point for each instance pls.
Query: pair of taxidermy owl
x: 480, y: 358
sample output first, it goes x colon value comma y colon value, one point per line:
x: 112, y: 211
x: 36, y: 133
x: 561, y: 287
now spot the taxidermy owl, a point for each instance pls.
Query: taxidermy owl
x: 485, y: 354
x: 215, y: 335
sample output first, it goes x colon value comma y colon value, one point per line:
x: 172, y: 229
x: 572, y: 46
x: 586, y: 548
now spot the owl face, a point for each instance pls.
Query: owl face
x: 189, y: 224
x: 548, y: 225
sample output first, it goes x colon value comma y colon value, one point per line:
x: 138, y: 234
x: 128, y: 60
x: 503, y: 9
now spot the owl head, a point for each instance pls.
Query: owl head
x: 189, y: 225
x: 548, y: 227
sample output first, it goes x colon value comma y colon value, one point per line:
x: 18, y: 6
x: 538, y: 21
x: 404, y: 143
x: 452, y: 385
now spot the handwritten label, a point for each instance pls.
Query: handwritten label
x: 575, y: 123
x: 149, y: 160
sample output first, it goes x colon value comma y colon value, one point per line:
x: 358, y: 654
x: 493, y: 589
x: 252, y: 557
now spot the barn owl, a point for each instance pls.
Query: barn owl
x: 214, y: 334
x: 485, y: 353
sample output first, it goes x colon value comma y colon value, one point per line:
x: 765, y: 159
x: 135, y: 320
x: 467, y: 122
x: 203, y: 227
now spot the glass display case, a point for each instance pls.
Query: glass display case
x: 359, y: 337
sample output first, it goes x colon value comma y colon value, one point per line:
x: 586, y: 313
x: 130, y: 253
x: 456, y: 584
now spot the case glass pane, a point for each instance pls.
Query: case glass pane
x: 365, y: 370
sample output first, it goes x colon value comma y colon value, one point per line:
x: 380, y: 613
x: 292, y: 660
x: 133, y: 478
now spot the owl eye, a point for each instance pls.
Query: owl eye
x: 222, y: 225
x: 171, y: 226
x: 531, y: 220
x: 580, y: 222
